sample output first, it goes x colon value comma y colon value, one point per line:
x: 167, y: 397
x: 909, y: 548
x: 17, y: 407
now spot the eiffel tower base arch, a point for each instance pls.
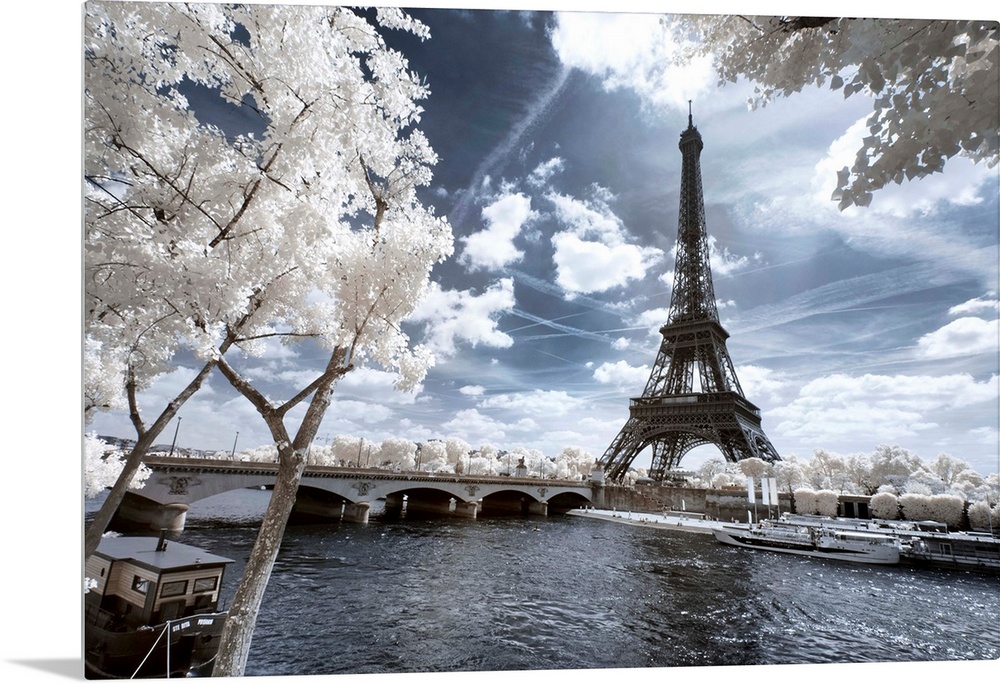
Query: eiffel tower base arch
x: 675, y: 425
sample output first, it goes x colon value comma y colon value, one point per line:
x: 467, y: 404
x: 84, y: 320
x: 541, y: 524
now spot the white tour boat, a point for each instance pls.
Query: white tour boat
x: 818, y: 542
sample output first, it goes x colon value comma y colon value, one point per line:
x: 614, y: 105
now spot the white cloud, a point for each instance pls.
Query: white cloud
x: 760, y: 383
x: 621, y: 374
x: 591, y: 220
x: 544, y: 171
x: 724, y: 263
x: 985, y: 435
x: 472, y: 390
x: 586, y: 267
x: 633, y: 51
x: 653, y: 319
x: 961, y: 337
x: 375, y: 386
x: 592, y: 255
x: 620, y: 344
x: 987, y: 304
x: 359, y: 411
x: 537, y: 402
x: 493, y: 248
x: 476, y: 428
x: 884, y: 408
x: 454, y: 316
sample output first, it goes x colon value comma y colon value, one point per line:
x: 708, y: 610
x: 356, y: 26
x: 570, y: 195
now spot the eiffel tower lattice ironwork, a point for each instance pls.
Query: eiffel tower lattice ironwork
x: 674, y: 415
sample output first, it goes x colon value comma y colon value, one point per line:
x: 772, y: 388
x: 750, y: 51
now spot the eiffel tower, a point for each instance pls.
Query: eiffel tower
x: 674, y: 415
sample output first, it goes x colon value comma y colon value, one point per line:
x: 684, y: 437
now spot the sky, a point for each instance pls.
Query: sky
x: 560, y: 175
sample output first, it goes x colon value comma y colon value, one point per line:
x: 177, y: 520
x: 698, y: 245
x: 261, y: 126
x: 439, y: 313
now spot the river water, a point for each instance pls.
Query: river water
x: 494, y: 594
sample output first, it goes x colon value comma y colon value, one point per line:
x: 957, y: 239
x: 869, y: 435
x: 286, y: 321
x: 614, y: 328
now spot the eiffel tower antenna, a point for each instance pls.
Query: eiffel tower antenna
x: 693, y: 396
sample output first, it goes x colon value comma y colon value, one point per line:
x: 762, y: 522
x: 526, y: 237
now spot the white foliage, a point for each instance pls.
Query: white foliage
x: 884, y: 505
x: 102, y: 464
x: 805, y: 501
x: 916, y: 507
x: 302, y: 219
x: 433, y: 456
x: 826, y: 502
x: 984, y: 517
x: 399, y: 453
x: 933, y: 84
x: 948, y: 509
x: 724, y: 479
x: 457, y: 449
x: 753, y: 467
x: 788, y: 473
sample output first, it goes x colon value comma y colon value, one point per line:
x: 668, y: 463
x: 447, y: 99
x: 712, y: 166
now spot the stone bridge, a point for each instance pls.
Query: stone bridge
x: 335, y: 493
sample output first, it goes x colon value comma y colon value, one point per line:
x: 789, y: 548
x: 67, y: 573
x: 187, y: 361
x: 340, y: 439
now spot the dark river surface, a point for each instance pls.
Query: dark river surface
x: 451, y: 595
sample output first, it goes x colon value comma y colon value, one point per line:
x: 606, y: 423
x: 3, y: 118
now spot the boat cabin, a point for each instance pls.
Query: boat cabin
x: 149, y: 580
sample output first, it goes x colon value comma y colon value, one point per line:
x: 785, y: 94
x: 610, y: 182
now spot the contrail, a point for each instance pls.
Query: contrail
x: 537, y: 109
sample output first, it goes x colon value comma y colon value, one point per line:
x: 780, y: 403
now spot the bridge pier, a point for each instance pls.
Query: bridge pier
x: 538, y: 508
x: 138, y: 513
x: 466, y: 509
x: 356, y: 512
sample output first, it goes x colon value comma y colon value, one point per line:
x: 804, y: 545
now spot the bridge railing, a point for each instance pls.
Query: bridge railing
x: 262, y: 467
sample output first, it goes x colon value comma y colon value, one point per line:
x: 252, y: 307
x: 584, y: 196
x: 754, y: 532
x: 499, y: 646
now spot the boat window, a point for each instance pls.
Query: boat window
x: 205, y: 584
x: 176, y: 588
x: 140, y: 584
x: 946, y: 549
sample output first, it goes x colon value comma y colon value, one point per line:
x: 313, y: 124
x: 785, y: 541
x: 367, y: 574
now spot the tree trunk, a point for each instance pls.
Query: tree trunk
x: 237, y: 633
x: 144, y: 440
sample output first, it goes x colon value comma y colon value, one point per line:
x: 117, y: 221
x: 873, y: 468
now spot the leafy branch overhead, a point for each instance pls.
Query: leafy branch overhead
x: 933, y: 84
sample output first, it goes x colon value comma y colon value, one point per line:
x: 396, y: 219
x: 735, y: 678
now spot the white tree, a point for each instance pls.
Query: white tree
x: 826, y: 502
x: 948, y: 509
x: 433, y: 455
x: 344, y: 449
x: 710, y: 468
x: 826, y: 470
x: 303, y: 225
x: 950, y: 470
x: 915, y: 506
x: 933, y: 84
x: 892, y: 465
x: 574, y: 463
x: 984, y: 517
x: 102, y: 466
x: 720, y: 480
x: 458, y: 449
x: 805, y: 501
x: 753, y: 467
x: 858, y: 469
x: 884, y: 505
x: 399, y: 453
x: 788, y: 473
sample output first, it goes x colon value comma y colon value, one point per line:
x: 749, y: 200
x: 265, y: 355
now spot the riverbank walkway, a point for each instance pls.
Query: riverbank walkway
x: 670, y: 521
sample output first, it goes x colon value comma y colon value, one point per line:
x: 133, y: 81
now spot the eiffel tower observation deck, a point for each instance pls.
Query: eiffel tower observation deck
x: 693, y: 396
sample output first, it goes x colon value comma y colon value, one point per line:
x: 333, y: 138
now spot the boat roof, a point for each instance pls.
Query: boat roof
x: 142, y: 550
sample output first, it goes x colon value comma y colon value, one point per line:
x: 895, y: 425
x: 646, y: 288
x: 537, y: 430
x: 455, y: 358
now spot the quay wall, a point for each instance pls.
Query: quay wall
x: 717, y: 504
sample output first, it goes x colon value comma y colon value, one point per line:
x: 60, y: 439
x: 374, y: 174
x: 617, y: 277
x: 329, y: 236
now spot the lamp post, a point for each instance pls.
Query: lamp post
x: 232, y: 456
x: 176, y: 430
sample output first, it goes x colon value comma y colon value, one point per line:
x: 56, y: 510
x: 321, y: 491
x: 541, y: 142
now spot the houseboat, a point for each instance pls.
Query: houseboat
x: 956, y: 550
x: 923, y: 543
x: 151, y: 609
x: 817, y: 542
